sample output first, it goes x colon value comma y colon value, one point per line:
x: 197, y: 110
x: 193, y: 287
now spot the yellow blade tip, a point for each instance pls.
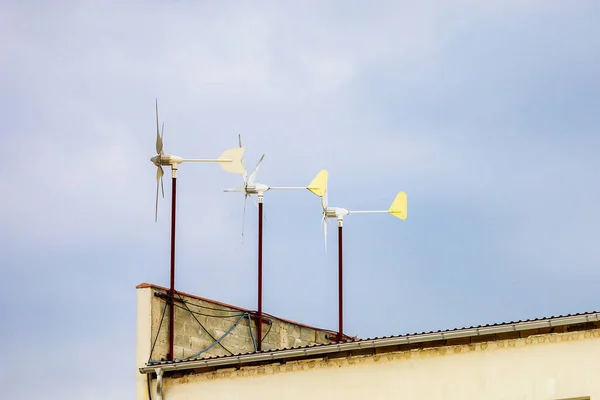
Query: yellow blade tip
x: 319, y: 183
x: 399, y: 207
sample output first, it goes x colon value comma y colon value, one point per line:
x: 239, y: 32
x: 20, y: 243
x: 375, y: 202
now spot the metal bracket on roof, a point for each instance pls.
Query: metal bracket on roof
x: 165, y: 296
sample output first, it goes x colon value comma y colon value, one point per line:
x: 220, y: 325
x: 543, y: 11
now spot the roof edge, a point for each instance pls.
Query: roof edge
x: 153, y: 286
x: 319, y: 350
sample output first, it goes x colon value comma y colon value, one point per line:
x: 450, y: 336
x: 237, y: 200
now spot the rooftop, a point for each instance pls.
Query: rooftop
x: 464, y: 335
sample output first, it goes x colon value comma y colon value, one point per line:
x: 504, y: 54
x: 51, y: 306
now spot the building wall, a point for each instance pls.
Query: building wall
x: 550, y: 366
x: 216, y: 319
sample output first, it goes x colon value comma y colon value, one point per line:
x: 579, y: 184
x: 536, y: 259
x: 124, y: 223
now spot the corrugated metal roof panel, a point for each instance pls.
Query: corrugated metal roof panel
x: 489, y: 329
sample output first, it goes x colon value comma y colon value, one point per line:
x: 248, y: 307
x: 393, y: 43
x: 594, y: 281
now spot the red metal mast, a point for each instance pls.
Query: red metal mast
x: 260, y: 232
x: 172, y: 287
x: 340, y: 283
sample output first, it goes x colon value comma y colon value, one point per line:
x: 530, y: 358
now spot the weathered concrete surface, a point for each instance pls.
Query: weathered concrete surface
x: 199, y: 322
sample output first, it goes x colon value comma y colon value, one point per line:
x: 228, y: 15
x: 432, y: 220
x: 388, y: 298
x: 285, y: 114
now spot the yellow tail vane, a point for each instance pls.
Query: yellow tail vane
x: 399, y: 207
x: 231, y: 160
x: 319, y: 184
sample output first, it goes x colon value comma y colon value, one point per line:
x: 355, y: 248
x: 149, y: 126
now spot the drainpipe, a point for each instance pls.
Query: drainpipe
x: 159, y: 383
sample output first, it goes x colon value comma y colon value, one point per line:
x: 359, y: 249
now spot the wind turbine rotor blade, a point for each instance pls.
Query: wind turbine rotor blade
x: 252, y: 178
x: 254, y: 201
x: 325, y: 232
x: 256, y: 205
x: 159, y: 175
x: 237, y: 189
x: 159, y: 142
x: 399, y: 207
x: 231, y: 160
x: 245, y: 173
x: 162, y: 187
x: 159, y: 182
x: 244, y: 216
x: 319, y: 184
x: 156, y: 204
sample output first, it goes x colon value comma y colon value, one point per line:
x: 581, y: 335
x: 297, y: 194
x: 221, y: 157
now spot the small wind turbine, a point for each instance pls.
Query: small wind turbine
x: 230, y: 161
x: 251, y: 187
x: 397, y: 209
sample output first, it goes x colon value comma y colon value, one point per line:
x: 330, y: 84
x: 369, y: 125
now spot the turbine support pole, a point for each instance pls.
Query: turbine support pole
x: 340, y: 282
x: 260, y: 233
x: 172, y: 287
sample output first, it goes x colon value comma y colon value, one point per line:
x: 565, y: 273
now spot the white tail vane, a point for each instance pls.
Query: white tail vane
x: 318, y: 186
x: 230, y: 160
x: 251, y: 187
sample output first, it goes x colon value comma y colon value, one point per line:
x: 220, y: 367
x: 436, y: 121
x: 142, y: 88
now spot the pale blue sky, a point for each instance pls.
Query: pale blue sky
x: 485, y: 113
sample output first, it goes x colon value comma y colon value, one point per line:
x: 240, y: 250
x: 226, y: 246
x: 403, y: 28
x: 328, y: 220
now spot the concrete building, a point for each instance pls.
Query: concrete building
x: 549, y: 358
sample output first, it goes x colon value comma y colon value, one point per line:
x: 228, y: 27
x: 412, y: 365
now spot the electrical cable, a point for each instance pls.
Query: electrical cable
x: 268, y: 330
x: 149, y: 391
x: 208, y: 315
x: 227, y: 316
x: 192, y: 313
x: 161, y: 295
x: 199, y: 323
x: 217, y: 341
x: 158, y: 332
x: 251, y: 334
x: 208, y: 308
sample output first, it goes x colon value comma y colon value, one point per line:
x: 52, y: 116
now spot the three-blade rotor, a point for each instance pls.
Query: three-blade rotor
x: 398, y: 207
x: 230, y: 160
x: 155, y: 161
x: 250, y: 187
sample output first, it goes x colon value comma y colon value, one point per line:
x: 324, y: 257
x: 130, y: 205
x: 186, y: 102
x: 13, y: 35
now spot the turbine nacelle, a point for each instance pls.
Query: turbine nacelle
x: 166, y: 159
x: 257, y: 188
x: 336, y: 212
